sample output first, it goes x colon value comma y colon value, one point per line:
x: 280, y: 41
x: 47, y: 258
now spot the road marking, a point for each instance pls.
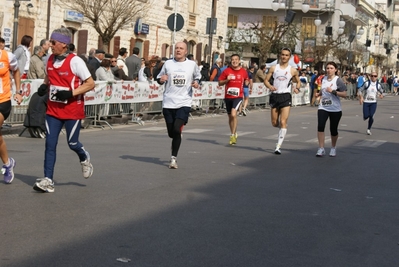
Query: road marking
x: 152, y: 129
x: 326, y: 140
x: 198, y: 130
x: 275, y: 136
x: 371, y: 143
x: 244, y: 133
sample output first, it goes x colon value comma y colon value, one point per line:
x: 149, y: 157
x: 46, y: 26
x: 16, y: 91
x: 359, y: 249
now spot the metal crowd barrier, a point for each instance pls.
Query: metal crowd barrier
x: 141, y: 100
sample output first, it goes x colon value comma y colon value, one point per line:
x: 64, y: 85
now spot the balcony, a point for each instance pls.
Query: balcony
x: 348, y: 10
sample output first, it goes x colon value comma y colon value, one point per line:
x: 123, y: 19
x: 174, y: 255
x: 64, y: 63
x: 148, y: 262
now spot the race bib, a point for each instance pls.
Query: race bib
x: 178, y: 79
x: 370, y: 98
x: 233, y: 91
x: 326, y: 101
x: 53, y: 90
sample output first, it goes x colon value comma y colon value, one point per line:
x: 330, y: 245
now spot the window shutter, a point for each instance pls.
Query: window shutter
x: 117, y: 44
x: 146, y: 49
x: 82, y: 42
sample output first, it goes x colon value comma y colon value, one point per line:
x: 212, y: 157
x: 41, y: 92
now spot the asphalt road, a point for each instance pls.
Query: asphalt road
x: 224, y: 206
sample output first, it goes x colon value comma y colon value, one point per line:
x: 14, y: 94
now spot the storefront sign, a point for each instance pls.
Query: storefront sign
x: 73, y: 16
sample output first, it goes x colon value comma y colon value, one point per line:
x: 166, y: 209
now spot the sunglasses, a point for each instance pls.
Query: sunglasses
x: 113, y: 60
x: 374, y: 76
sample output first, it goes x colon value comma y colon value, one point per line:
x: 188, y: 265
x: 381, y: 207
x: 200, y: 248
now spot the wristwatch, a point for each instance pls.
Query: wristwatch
x: 334, y: 92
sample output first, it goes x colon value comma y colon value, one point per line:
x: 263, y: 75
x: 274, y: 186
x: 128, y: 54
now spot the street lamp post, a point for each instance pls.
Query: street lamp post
x: 15, y: 28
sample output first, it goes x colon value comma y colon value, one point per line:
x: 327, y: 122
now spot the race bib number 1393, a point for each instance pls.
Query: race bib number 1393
x: 179, y: 79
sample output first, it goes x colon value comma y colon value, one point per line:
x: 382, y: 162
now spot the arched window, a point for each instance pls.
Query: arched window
x: 191, y: 47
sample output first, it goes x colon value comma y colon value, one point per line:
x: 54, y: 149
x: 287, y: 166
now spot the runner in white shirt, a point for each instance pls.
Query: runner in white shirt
x: 332, y: 88
x: 280, y: 97
x: 370, y: 90
x: 179, y: 75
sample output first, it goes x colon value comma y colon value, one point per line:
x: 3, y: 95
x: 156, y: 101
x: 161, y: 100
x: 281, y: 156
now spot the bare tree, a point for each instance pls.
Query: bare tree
x: 109, y: 16
x: 264, y: 41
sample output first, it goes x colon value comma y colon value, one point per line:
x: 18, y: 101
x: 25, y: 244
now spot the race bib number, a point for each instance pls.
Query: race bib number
x: 233, y: 91
x: 179, y: 79
x: 53, y: 90
x: 326, y: 101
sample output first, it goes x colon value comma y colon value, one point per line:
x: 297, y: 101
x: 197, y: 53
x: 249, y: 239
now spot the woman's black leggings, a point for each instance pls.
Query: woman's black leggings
x: 174, y: 132
x: 322, y: 117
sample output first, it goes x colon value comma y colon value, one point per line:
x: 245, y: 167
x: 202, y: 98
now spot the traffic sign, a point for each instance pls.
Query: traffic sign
x: 179, y: 22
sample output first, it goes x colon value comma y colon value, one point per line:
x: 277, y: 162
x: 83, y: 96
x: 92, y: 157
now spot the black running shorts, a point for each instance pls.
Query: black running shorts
x: 5, y: 109
x: 280, y: 100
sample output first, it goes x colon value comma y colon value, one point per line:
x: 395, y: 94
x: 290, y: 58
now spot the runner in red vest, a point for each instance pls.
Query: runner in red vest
x: 233, y: 78
x: 67, y: 80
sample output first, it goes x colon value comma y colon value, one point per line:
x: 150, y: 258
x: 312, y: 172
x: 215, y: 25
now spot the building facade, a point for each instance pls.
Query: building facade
x: 341, y: 26
x: 38, y: 18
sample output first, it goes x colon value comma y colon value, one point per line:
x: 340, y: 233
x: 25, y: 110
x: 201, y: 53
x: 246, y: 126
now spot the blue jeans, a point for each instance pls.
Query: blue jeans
x: 54, y: 126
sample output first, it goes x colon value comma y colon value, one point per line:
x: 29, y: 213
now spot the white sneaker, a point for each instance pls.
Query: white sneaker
x: 368, y: 132
x: 87, y: 168
x: 320, y: 152
x: 44, y: 185
x: 333, y: 152
x: 277, y: 151
x: 173, y: 163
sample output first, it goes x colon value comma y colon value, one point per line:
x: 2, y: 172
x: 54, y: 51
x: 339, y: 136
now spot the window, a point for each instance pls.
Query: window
x: 190, y: 47
x: 232, y: 21
x: 308, y: 27
x: 192, y: 6
x: 139, y: 44
x: 191, y: 20
x: 269, y: 22
x: 167, y: 2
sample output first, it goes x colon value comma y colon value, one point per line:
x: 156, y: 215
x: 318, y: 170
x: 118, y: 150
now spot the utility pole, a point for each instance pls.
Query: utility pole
x: 211, y: 26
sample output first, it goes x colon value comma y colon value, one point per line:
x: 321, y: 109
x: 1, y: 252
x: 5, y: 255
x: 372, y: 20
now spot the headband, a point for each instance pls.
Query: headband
x: 60, y: 38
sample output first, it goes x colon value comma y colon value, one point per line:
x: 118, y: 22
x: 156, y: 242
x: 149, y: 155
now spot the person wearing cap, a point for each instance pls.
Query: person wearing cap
x: 8, y: 65
x: 66, y: 82
x: 96, y: 60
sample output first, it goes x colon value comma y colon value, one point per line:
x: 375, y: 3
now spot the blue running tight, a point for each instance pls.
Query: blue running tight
x: 54, y: 127
x: 368, y: 113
